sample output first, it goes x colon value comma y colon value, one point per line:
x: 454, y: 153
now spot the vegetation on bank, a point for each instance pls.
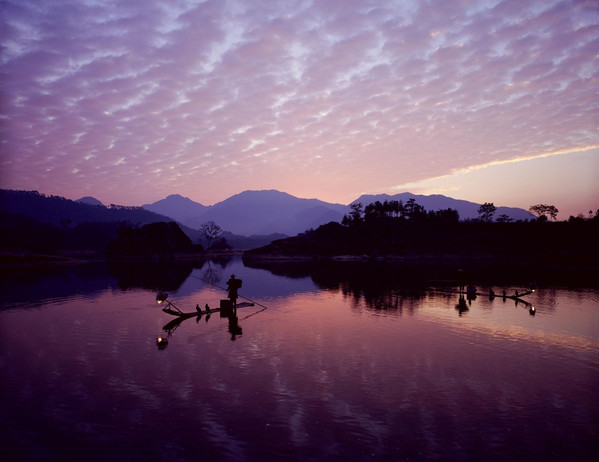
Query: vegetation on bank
x: 390, y: 228
x: 152, y: 239
x: 21, y: 233
x: 58, y: 211
x: 407, y: 230
x: 35, y: 223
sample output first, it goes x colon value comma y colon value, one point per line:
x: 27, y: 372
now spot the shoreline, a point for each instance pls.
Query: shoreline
x: 33, y: 259
x: 411, y: 269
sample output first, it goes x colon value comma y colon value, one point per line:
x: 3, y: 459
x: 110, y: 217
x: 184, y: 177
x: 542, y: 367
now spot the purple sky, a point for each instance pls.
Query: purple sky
x: 130, y: 101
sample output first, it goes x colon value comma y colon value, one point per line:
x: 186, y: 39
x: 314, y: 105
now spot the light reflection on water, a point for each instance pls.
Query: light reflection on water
x: 322, y: 374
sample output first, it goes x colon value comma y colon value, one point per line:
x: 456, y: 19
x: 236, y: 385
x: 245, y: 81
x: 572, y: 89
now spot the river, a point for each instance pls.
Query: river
x: 343, y: 362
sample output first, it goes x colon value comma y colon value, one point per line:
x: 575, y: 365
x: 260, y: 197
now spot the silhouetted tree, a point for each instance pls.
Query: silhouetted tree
x: 220, y: 244
x: 355, y: 216
x: 580, y: 218
x: 153, y: 238
x: 211, y: 231
x: 446, y: 216
x: 544, y: 210
x: 576, y: 219
x: 374, y: 212
x: 486, y: 212
x: 503, y: 218
x: 412, y: 210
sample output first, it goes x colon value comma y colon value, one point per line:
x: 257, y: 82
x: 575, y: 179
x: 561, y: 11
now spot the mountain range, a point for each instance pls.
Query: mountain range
x: 253, y: 212
x: 467, y: 210
x: 245, y: 214
x: 266, y: 212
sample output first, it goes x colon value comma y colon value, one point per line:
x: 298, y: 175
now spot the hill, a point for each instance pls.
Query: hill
x: 248, y: 219
x: 57, y: 210
x: 34, y: 221
x: 50, y: 224
x: 90, y: 200
x: 152, y: 239
x: 253, y: 212
x: 179, y: 208
x: 466, y: 209
x: 437, y: 236
x: 268, y: 212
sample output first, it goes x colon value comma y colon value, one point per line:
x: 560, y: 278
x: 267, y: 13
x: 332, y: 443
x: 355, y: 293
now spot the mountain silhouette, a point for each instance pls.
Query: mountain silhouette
x: 254, y: 212
x: 249, y: 213
x: 90, y: 201
x: 466, y: 209
x: 57, y: 210
x: 177, y: 207
x: 270, y: 211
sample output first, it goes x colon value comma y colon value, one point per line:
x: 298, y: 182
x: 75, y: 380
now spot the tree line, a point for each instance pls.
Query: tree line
x: 397, y: 211
x: 412, y: 211
x: 393, y: 228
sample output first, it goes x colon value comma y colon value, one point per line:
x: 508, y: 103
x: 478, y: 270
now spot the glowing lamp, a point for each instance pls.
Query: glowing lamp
x: 161, y: 297
x: 532, y: 310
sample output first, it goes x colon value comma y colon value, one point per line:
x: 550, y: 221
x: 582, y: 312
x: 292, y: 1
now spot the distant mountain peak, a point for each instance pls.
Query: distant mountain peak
x: 90, y: 201
x: 177, y: 207
x: 175, y: 197
x: 467, y: 210
x: 269, y: 211
x: 263, y: 194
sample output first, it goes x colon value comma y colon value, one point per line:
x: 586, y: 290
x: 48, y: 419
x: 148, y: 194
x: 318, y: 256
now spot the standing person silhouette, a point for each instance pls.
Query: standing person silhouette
x: 233, y: 286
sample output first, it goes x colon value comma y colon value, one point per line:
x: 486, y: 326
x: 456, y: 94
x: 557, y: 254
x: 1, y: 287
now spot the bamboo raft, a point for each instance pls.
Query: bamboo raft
x: 483, y: 294
x: 182, y: 315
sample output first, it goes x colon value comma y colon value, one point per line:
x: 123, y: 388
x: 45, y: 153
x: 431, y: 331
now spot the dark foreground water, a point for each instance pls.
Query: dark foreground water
x: 345, y: 364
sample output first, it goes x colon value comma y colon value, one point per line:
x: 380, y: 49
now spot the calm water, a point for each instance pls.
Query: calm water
x: 347, y: 363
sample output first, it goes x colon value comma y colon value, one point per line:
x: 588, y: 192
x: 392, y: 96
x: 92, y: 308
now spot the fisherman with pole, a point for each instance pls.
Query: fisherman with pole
x: 238, y: 283
x: 233, y: 285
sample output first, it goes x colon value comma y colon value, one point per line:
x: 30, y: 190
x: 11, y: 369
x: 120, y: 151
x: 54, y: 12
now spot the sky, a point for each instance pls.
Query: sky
x: 131, y: 101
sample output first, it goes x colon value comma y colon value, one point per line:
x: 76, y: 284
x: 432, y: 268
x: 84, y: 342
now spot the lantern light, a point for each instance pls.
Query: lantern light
x: 161, y: 297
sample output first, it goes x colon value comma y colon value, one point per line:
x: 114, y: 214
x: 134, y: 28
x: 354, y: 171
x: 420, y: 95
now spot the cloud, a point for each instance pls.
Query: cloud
x: 142, y: 99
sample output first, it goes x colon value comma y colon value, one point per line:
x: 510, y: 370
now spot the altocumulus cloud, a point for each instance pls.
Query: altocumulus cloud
x: 134, y: 100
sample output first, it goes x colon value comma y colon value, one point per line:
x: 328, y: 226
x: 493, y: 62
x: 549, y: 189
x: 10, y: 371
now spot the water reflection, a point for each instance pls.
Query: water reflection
x: 380, y: 286
x: 462, y: 306
x: 38, y: 285
x: 171, y: 326
x: 226, y: 310
x: 214, y: 269
x: 325, y: 373
x: 151, y: 275
x: 26, y: 287
x: 234, y: 328
x: 465, y: 299
x: 397, y: 286
x: 168, y: 275
x: 233, y: 324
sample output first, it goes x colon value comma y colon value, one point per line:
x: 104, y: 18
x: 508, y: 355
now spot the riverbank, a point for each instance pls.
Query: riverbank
x: 30, y: 259
x: 428, y: 267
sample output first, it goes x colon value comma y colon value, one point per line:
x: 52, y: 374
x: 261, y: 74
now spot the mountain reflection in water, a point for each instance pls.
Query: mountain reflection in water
x: 349, y: 361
